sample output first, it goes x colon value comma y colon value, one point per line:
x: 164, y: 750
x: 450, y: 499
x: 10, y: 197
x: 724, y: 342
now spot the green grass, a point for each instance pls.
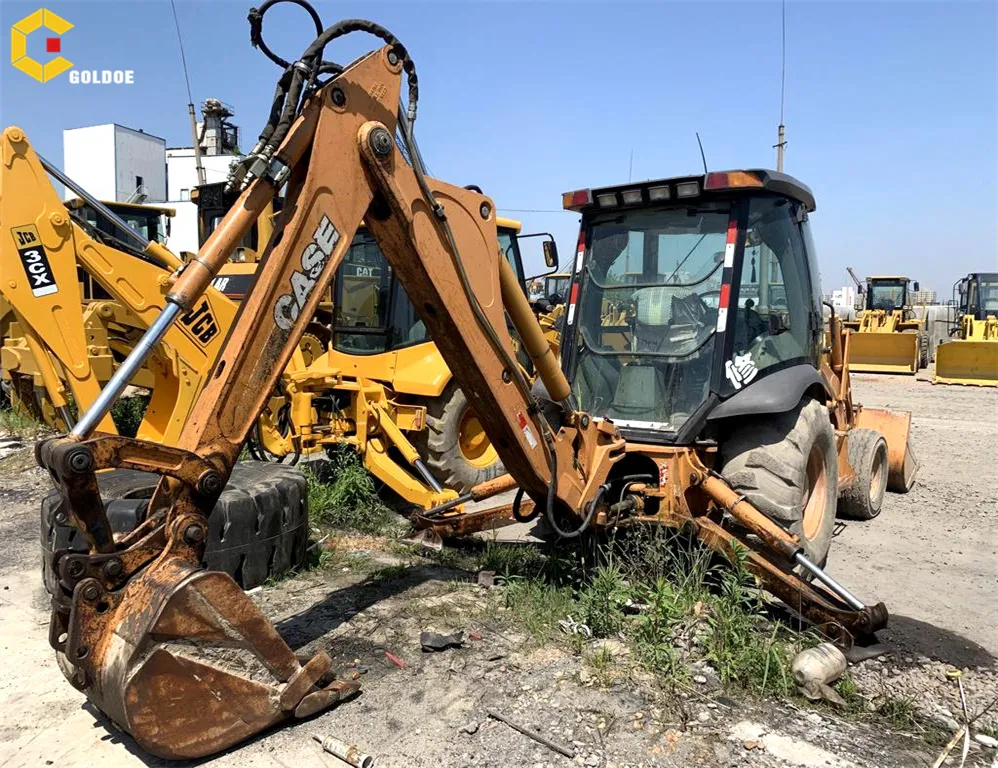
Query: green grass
x: 127, y: 414
x: 343, y: 496
x: 14, y: 421
x: 671, y: 599
x: 902, y: 713
x: 512, y: 560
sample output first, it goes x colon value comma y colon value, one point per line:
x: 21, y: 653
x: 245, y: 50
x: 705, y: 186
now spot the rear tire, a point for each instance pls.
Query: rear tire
x: 454, y: 446
x: 864, y: 498
x: 923, y: 351
x: 258, y: 529
x: 787, y: 467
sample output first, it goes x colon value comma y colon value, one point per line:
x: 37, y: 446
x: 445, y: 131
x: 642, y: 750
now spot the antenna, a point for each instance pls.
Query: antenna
x: 702, y: 155
x: 781, y: 141
x: 190, y: 100
x: 630, y: 165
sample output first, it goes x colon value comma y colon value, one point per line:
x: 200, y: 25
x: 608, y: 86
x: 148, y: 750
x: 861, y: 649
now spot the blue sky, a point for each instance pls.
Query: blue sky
x: 890, y: 107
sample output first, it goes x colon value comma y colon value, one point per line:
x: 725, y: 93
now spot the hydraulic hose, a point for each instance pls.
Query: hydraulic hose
x: 286, y: 105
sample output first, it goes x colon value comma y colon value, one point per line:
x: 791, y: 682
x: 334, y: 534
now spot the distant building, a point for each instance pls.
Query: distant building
x: 844, y: 297
x: 113, y: 162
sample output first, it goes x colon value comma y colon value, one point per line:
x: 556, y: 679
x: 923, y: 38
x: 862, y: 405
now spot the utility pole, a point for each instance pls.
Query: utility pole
x: 780, y: 144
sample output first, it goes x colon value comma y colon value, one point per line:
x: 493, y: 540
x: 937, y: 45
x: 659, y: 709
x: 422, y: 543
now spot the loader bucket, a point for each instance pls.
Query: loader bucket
x: 974, y: 363
x: 883, y: 352
x: 895, y: 426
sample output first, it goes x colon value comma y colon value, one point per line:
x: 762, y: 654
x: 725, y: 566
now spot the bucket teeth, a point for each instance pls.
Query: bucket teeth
x: 185, y: 662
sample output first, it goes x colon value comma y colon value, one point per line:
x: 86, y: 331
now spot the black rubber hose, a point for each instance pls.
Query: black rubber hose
x: 528, y: 518
x: 256, y: 27
x: 585, y: 523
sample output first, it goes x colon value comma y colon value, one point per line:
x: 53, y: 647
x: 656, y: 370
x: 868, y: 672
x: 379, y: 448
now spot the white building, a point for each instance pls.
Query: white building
x: 844, y: 297
x: 113, y: 162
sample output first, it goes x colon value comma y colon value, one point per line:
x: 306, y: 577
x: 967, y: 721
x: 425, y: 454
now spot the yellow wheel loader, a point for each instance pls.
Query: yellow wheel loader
x: 971, y: 357
x: 888, y: 337
x: 374, y: 379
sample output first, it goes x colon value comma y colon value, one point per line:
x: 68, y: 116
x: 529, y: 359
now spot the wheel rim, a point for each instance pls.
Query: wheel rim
x: 815, y: 496
x: 311, y: 348
x: 474, y: 444
x: 878, y: 476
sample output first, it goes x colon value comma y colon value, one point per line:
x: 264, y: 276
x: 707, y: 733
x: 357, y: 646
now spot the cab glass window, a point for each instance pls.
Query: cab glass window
x: 360, y: 305
x: 773, y: 314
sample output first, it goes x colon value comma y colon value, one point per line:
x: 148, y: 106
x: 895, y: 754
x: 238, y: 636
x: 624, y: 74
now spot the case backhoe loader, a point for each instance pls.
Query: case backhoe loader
x: 971, y: 357
x: 668, y: 433
x: 887, y: 335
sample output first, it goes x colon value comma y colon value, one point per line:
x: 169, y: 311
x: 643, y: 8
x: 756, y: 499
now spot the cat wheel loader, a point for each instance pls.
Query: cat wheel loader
x: 971, y: 357
x: 888, y: 336
x: 677, y: 430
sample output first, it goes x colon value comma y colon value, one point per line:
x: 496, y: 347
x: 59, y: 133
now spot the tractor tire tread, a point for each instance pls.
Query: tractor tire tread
x: 438, y: 443
x: 258, y: 529
x: 855, y: 502
x: 765, y: 459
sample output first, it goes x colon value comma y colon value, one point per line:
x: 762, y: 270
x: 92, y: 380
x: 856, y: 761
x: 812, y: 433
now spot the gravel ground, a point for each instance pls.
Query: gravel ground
x: 931, y: 556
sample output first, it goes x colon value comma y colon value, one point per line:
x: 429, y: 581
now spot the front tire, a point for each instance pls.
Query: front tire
x: 454, y: 446
x: 864, y: 498
x: 786, y: 466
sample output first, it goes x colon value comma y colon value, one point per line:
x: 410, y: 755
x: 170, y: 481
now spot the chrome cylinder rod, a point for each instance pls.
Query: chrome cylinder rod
x: 67, y: 417
x: 113, y: 389
x: 429, y: 479
x: 850, y: 599
x: 96, y: 204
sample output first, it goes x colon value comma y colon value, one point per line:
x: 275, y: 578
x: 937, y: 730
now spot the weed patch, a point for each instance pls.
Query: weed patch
x: 14, y: 421
x: 127, y: 414
x: 341, y: 495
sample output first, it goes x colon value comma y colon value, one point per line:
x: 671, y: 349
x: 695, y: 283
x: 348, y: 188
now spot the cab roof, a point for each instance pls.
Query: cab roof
x: 680, y: 188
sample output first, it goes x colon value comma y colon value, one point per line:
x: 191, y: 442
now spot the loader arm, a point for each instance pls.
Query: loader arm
x: 39, y: 278
x: 137, y: 284
x: 125, y: 613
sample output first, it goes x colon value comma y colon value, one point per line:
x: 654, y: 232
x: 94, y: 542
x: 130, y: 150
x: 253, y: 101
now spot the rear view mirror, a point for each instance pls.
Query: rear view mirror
x: 551, y: 254
x: 914, y: 286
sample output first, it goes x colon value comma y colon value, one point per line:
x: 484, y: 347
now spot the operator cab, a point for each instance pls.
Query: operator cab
x: 716, y: 284
x: 887, y: 293
x: 371, y: 311
x: 979, y: 295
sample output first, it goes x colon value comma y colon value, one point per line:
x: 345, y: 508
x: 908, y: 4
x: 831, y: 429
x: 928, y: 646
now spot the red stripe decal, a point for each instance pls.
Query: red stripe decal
x: 725, y: 296
x: 732, y: 232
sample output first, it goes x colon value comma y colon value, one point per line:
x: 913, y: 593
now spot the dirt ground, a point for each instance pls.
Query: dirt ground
x: 932, y: 557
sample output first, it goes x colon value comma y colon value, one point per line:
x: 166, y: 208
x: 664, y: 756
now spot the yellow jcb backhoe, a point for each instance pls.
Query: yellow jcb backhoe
x: 971, y: 356
x: 681, y: 429
x: 888, y: 337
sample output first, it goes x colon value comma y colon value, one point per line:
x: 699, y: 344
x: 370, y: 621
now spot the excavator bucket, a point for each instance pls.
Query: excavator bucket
x: 895, y: 426
x: 883, y: 352
x: 185, y: 662
x: 961, y: 361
